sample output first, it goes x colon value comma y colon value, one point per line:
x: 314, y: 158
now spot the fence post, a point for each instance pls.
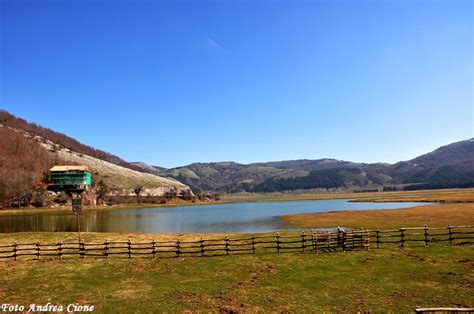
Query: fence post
x: 313, y: 241
x: 365, y: 239
x: 202, y: 246
x: 178, y: 248
x: 338, y: 237
x: 60, y: 249
x: 153, y: 248
x: 361, y: 238
x: 426, y: 235
x: 106, y: 248
x: 316, y: 242
x: 14, y: 250
x: 328, y: 239
x: 38, y: 250
x: 377, y: 236
x: 227, y: 249
x: 82, y: 249
x: 343, y: 239
x: 450, y: 235
x: 402, y: 236
x: 129, y: 246
x: 253, y: 243
x: 303, y: 240
x: 353, y: 239
x: 278, y: 242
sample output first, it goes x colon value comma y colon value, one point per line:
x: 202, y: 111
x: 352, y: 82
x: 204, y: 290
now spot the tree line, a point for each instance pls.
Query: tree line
x: 319, y: 179
x: 23, y: 163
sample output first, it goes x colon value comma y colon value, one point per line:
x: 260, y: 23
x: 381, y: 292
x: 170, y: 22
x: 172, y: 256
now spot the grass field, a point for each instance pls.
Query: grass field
x: 379, y: 280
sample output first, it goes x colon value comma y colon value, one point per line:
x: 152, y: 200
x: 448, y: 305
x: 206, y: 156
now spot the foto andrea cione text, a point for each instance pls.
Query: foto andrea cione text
x: 48, y: 307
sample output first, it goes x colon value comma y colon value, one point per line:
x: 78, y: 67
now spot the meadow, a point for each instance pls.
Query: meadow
x: 386, y: 279
x: 379, y: 280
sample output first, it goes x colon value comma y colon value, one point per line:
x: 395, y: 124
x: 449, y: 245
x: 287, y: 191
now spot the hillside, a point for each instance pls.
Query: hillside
x: 121, y: 180
x: 25, y: 159
x: 33, y: 129
x: 449, y: 166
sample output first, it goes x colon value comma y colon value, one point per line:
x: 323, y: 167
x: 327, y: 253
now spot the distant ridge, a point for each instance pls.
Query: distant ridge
x: 448, y: 166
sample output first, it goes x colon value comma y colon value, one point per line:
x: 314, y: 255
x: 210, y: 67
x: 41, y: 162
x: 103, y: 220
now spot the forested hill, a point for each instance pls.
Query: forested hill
x: 449, y: 166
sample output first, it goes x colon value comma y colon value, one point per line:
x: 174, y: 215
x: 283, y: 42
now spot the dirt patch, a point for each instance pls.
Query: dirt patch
x: 233, y: 306
x: 467, y: 262
x: 399, y: 295
x: 192, y: 298
x: 265, y: 269
x: 220, y: 302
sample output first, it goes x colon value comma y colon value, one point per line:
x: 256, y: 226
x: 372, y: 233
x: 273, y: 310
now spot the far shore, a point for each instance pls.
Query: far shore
x: 434, y: 216
x: 435, y: 196
x: 67, y: 209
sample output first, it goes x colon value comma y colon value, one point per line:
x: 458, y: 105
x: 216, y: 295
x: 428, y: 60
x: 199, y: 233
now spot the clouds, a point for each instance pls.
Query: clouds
x: 212, y: 43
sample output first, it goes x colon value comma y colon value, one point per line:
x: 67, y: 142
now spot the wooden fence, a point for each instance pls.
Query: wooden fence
x: 313, y: 242
x: 420, y: 236
x: 304, y: 243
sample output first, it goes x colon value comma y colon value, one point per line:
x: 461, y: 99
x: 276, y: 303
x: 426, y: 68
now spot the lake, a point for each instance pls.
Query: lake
x: 244, y: 217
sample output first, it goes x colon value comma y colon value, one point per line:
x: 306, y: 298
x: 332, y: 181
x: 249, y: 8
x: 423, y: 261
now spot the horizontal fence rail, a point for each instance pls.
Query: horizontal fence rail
x: 421, y: 236
x: 313, y: 242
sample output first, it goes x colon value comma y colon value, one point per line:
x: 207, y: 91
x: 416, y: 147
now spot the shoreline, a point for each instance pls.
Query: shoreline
x: 67, y: 209
x: 445, y: 196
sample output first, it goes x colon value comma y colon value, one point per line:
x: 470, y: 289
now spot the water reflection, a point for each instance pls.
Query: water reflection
x: 222, y: 218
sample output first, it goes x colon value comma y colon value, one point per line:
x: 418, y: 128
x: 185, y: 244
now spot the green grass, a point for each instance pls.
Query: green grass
x: 379, y: 280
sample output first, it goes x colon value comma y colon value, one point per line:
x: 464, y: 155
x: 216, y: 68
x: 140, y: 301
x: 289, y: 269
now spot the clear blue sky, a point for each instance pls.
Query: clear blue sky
x: 176, y: 82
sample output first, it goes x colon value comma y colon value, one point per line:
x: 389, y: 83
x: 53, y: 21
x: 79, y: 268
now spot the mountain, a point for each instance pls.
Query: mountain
x: 144, y: 167
x: 27, y: 151
x: 448, y: 166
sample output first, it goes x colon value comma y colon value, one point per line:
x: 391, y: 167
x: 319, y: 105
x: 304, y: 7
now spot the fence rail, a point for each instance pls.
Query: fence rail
x: 304, y: 243
x: 313, y: 242
x: 421, y: 236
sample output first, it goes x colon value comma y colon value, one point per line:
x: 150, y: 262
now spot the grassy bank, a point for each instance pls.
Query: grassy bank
x: 378, y: 280
x: 432, y: 215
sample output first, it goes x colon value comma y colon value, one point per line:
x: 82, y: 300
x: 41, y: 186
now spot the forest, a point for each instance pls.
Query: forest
x: 23, y: 164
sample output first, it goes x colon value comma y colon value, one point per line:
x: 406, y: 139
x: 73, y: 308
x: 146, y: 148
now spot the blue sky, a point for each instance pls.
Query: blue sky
x: 176, y: 82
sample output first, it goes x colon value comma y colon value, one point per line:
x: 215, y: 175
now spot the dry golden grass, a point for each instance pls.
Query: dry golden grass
x: 94, y: 237
x: 432, y: 215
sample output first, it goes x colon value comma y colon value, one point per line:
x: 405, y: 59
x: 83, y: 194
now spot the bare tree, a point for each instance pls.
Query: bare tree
x: 102, y: 190
x: 138, y: 189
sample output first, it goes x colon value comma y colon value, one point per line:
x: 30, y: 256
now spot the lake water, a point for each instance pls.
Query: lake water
x: 218, y: 218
